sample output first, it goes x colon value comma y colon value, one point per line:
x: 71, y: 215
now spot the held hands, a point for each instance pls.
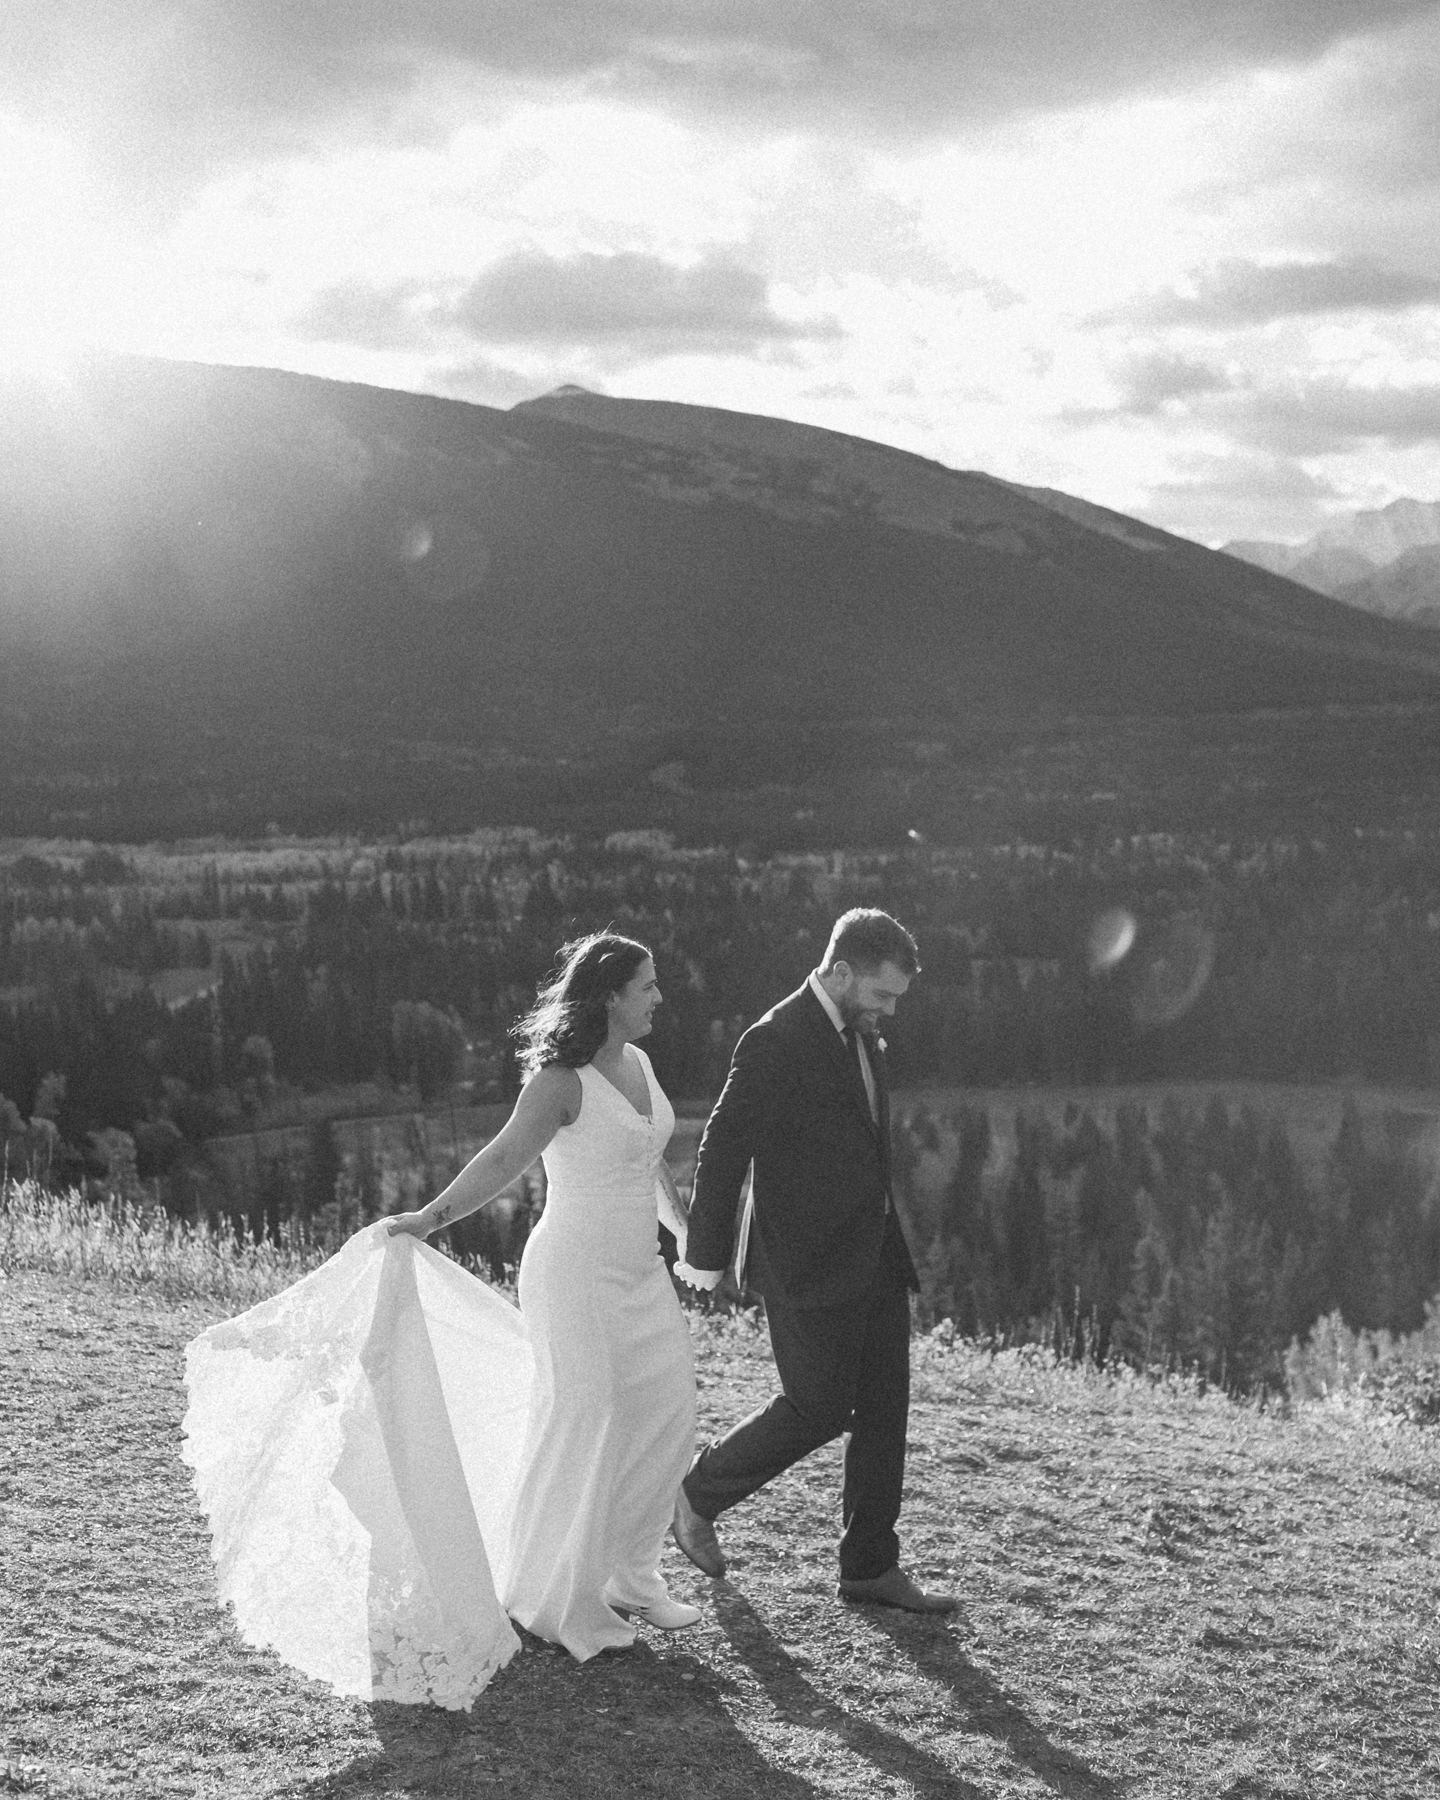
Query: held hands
x: 701, y: 1279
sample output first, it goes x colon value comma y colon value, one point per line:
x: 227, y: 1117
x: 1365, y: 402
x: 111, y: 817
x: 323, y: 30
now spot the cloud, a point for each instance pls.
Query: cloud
x: 174, y: 90
x: 1323, y: 416
x: 1154, y: 386
x: 1304, y: 416
x: 1240, y: 495
x: 399, y: 317
x: 1367, y: 125
x: 715, y: 303
x: 626, y: 301
x: 486, y: 383
x: 1237, y: 293
x: 1150, y: 383
x: 830, y: 219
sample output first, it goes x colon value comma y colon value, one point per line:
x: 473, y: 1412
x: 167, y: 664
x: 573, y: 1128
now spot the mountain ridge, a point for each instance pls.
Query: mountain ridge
x: 1408, y: 587
x: 1368, y: 560
x: 210, y: 569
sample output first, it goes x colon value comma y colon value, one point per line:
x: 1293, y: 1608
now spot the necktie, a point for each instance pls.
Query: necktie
x: 867, y: 1074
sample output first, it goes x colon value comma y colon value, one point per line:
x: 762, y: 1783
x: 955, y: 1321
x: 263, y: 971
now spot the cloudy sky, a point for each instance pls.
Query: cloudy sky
x: 1181, y: 257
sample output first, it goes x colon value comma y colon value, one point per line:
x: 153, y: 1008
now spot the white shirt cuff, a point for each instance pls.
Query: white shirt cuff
x: 699, y: 1278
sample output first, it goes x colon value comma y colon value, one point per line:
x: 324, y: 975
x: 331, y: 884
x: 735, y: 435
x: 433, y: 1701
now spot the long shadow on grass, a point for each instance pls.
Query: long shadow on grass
x: 988, y: 1709
x: 635, y: 1726
x: 789, y: 1691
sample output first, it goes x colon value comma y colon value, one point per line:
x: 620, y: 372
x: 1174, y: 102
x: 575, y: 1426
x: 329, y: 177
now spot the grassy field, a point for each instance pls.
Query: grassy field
x: 1164, y: 1594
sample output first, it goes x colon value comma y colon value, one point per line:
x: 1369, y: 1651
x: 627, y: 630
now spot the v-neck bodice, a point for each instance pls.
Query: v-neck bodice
x: 602, y: 1169
x: 645, y: 1076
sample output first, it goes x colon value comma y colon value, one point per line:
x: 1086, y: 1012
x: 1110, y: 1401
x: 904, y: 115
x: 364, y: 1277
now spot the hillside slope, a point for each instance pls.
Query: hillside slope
x: 215, y: 567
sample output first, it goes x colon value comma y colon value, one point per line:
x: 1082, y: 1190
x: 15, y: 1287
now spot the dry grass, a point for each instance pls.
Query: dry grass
x: 142, y: 1248
x: 1164, y: 1595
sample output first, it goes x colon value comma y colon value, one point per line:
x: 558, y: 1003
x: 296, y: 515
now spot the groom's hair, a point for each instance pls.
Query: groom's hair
x: 865, y: 937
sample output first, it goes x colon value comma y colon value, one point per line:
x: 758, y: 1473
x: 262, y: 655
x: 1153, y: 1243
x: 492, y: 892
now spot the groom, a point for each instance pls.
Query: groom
x: 806, y: 1105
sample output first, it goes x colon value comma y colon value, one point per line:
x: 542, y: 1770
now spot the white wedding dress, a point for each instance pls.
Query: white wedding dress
x: 389, y: 1448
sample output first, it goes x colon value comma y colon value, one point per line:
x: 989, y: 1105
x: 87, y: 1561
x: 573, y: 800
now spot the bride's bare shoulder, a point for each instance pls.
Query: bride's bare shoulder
x: 556, y: 1089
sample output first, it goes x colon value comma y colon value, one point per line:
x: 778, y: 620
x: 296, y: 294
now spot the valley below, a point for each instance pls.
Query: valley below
x: 328, y: 713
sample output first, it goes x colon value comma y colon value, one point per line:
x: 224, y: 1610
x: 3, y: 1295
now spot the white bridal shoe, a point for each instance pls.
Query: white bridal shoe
x: 664, y: 1615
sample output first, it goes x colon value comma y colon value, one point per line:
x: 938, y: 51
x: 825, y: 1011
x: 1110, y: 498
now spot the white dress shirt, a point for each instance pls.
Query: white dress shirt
x: 872, y: 1093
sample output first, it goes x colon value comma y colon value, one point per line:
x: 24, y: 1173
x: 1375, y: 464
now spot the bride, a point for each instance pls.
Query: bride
x: 387, y: 1447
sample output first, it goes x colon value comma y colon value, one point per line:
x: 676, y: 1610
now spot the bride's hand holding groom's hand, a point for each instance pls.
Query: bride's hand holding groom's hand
x: 700, y: 1279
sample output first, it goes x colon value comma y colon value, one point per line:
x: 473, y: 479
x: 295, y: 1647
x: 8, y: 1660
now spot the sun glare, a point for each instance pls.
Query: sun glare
x: 34, y: 356
x: 58, y: 290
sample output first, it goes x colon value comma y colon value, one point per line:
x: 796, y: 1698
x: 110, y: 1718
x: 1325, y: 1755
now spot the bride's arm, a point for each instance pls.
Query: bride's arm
x: 670, y: 1206
x: 550, y: 1099
x: 675, y: 1217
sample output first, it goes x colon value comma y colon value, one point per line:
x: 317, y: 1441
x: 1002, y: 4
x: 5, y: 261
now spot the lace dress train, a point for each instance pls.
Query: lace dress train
x: 356, y: 1444
x: 388, y: 1446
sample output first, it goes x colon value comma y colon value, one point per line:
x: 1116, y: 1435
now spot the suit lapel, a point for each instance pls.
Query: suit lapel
x: 837, y: 1052
x: 842, y: 1056
x: 882, y: 1099
x: 861, y: 1092
x: 877, y: 1069
x: 846, y: 1065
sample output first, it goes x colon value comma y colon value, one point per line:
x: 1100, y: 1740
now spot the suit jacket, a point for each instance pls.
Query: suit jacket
x: 794, y: 1106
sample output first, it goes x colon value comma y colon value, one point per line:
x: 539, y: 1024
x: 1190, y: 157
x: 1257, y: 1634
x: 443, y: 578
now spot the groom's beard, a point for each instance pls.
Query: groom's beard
x: 853, y: 1014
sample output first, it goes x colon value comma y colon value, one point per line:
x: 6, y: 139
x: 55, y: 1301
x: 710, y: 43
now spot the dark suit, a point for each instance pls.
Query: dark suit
x: 830, y: 1259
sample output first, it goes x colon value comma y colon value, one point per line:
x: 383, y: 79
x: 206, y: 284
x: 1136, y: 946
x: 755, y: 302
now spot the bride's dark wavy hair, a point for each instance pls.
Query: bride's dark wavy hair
x: 569, y: 1022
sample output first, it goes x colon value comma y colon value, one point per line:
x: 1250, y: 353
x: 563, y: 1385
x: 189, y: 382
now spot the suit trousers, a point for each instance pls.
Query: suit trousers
x: 842, y: 1369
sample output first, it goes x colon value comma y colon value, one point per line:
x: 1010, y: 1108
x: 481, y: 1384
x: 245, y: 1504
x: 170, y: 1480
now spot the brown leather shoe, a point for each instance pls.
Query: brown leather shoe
x: 895, y: 1588
x: 696, y: 1537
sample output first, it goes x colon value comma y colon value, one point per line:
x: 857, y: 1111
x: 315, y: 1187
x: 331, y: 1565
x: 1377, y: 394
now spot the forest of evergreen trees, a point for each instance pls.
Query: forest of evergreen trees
x: 1176, y: 1237
x: 1314, y: 960
x: 150, y: 1001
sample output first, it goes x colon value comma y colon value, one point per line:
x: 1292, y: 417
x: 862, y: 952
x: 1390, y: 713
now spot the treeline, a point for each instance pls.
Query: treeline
x: 137, y: 992
x: 1182, y: 1239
